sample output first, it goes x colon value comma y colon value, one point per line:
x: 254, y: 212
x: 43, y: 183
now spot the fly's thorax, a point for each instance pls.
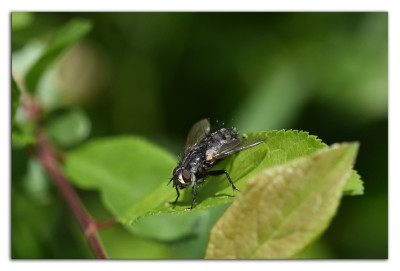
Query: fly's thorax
x: 195, y: 163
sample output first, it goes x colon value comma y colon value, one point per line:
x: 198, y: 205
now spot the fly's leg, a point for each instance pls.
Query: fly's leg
x: 177, y: 197
x: 222, y: 171
x: 194, y: 198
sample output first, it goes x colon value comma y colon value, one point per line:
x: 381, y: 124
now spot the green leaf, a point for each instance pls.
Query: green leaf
x: 173, y: 228
x: 132, y: 173
x: 285, y: 208
x: 67, y: 127
x: 354, y: 186
x: 121, y: 244
x: 124, y: 169
x: 63, y: 39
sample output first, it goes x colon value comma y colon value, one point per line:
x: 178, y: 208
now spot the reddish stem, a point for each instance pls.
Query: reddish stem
x: 88, y: 225
x: 48, y: 157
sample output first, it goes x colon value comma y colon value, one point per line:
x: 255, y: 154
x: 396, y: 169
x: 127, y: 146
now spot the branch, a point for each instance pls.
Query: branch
x: 48, y: 157
x: 87, y: 224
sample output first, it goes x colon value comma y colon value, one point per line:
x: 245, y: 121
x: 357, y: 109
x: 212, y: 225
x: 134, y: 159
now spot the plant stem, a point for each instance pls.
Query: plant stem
x: 87, y: 224
x: 48, y: 157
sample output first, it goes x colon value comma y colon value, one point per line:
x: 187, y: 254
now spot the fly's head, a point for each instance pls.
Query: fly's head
x: 182, y: 177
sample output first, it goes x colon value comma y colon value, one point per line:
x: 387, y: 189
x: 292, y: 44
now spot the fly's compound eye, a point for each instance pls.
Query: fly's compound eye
x: 174, y: 171
x: 186, y: 176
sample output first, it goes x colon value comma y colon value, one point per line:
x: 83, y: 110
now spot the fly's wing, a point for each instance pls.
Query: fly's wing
x: 238, y: 145
x: 197, y: 133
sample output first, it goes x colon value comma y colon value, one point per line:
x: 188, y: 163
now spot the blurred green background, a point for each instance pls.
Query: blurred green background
x: 155, y: 74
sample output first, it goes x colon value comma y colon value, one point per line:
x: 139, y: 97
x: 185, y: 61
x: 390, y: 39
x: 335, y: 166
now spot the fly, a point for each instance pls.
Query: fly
x: 203, y: 150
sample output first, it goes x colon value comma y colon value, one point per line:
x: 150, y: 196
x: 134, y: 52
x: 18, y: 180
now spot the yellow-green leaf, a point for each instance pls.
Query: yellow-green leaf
x: 284, y: 208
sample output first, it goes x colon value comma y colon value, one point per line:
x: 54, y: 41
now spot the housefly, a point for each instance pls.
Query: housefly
x: 203, y: 150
